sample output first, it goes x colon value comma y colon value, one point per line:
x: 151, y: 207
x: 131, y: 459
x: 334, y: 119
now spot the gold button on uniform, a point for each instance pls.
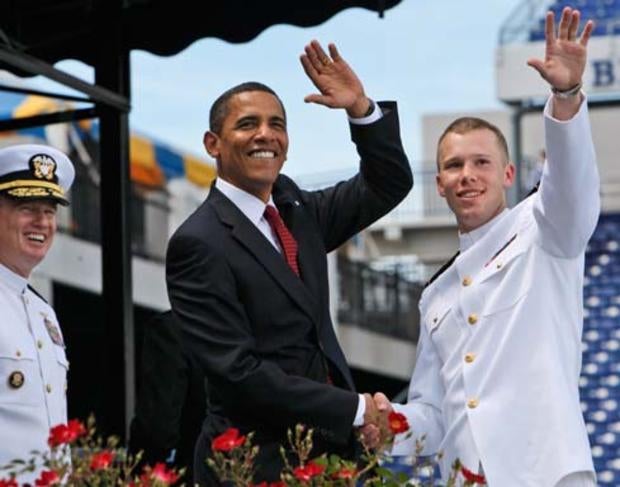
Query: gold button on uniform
x: 48, y: 388
x: 467, y: 281
x: 39, y: 344
x: 473, y: 403
x: 498, y: 265
x: 18, y: 353
x: 470, y: 357
x: 472, y: 319
x: 16, y: 379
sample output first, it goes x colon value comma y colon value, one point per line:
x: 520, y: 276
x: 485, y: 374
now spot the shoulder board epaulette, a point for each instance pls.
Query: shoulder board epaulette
x: 533, y: 190
x: 35, y: 291
x: 441, y: 270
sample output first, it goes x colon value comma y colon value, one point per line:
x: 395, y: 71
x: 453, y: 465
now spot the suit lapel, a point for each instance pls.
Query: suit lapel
x: 307, y: 241
x: 246, y: 233
x: 311, y: 257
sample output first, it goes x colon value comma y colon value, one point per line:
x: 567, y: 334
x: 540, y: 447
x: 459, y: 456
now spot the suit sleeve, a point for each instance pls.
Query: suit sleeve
x: 203, y: 293
x: 384, y: 179
x: 568, y: 203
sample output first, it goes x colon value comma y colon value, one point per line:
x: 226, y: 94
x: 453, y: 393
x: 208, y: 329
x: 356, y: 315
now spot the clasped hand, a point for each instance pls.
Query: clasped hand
x: 376, y: 430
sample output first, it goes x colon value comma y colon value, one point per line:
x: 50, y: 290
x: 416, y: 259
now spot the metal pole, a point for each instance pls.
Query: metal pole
x: 112, y: 72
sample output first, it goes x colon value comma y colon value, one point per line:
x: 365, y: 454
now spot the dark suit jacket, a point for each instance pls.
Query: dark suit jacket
x: 263, y: 336
x: 172, y: 400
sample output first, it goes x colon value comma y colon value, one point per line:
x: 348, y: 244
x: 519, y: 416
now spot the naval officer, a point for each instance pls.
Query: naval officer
x: 34, y: 179
x: 496, y: 378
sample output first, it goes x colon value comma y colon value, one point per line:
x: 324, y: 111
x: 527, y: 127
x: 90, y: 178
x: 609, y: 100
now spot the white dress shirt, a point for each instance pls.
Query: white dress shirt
x: 499, y: 356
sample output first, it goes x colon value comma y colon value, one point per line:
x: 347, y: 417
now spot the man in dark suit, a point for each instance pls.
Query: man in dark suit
x: 172, y: 399
x: 253, y: 302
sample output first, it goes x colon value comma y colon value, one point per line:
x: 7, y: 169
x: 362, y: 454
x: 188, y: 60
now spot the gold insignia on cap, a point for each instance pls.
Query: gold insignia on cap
x: 43, y: 166
x: 16, y: 379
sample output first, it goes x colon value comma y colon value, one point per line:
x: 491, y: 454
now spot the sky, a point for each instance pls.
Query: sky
x: 431, y: 56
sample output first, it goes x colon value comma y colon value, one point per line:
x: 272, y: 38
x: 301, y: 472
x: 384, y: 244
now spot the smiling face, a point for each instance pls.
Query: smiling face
x: 473, y: 174
x: 251, y: 146
x: 27, y: 229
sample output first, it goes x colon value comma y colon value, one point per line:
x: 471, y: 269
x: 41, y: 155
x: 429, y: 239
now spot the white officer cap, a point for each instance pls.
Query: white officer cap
x: 36, y: 172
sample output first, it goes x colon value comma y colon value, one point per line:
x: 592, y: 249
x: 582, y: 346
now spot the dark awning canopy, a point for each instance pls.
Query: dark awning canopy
x: 52, y: 30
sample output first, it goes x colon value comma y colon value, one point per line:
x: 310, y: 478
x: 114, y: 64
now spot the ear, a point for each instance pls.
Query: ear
x: 211, y: 142
x: 509, y: 175
x: 440, y: 188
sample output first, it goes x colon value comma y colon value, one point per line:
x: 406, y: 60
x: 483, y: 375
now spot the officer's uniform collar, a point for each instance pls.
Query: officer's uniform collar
x: 466, y: 240
x: 13, y: 280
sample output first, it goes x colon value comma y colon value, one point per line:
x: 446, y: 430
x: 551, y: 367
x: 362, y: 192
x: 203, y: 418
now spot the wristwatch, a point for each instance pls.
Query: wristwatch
x: 565, y: 94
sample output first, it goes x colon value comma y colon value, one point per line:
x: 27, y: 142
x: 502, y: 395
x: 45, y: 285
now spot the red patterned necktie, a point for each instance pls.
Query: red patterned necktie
x: 287, y: 241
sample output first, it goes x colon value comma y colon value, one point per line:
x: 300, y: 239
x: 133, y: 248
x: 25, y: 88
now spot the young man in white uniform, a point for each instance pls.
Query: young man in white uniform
x: 33, y: 365
x: 496, y: 379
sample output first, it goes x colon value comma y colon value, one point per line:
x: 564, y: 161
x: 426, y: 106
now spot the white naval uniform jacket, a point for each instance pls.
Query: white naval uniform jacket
x: 33, y: 371
x: 499, y: 355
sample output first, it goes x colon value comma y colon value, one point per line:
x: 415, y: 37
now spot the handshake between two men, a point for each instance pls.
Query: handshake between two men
x: 379, y: 425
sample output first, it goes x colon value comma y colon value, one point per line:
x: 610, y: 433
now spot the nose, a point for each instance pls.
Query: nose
x: 468, y: 174
x: 42, y: 218
x: 264, y: 132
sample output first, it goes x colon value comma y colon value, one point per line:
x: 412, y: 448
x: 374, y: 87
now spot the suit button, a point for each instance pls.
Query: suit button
x: 467, y: 281
x: 470, y: 357
x: 472, y: 319
x: 473, y: 403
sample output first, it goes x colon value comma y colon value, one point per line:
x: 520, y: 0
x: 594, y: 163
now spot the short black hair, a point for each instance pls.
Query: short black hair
x: 219, y: 109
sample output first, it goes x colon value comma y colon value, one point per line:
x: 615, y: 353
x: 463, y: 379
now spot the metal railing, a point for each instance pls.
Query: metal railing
x: 379, y: 301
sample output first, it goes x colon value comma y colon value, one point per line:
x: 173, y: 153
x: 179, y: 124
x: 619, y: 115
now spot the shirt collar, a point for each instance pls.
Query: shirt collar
x: 466, y: 240
x: 14, y: 281
x: 251, y: 206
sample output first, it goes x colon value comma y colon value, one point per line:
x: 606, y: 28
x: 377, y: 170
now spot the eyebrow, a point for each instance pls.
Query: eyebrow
x: 254, y: 118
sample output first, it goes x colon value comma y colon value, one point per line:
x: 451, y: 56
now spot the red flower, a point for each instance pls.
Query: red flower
x: 228, y: 440
x: 397, y: 422
x: 160, y: 474
x: 473, y: 477
x: 59, y: 435
x: 76, y: 429
x: 345, y: 473
x: 8, y: 483
x: 101, y: 460
x: 66, y: 433
x: 47, y: 477
x: 306, y: 473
